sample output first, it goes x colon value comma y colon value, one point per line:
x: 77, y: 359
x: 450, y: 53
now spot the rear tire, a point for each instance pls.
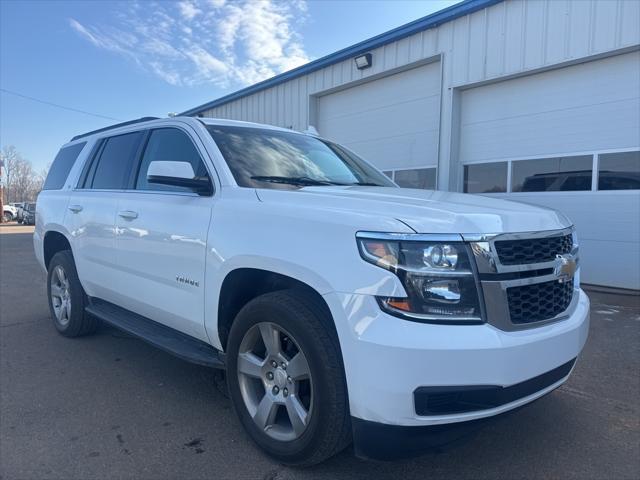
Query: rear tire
x: 7, y: 217
x: 311, y: 422
x: 67, y: 299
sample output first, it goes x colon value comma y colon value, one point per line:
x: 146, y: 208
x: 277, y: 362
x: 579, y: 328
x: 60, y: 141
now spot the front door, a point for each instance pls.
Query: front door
x: 161, y: 239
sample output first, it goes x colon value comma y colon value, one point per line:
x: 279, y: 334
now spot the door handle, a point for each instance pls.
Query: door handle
x: 128, y: 214
x: 75, y: 208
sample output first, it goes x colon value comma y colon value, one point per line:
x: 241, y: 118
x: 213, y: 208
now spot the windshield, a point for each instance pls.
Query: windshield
x: 263, y: 158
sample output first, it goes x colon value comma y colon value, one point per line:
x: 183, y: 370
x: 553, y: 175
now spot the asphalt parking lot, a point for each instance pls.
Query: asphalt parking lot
x: 109, y: 406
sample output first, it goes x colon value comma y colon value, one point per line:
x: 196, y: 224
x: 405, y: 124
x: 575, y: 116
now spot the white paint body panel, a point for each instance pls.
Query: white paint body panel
x: 166, y: 240
x: 378, y: 346
x: 310, y: 235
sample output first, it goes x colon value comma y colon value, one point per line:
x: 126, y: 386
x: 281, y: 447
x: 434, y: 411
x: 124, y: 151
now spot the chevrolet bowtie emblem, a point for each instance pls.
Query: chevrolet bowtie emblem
x: 566, y: 266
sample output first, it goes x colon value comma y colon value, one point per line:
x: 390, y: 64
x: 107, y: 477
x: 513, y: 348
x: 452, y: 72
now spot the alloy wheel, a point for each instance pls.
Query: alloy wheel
x: 61, y: 295
x: 275, y: 381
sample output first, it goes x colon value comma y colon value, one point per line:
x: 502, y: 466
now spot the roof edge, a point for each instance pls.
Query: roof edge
x: 430, y: 21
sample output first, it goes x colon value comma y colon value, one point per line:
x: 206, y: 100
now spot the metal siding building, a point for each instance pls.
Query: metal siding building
x: 523, y: 99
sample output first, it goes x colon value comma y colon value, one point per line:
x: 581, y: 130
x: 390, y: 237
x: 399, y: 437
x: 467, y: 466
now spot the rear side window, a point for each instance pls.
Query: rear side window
x: 61, y: 166
x: 169, y: 144
x: 116, y: 160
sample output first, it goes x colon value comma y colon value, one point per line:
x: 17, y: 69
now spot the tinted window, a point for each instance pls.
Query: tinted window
x: 416, y: 178
x: 284, y: 156
x: 619, y: 171
x: 485, y: 178
x: 552, y: 174
x: 61, y: 166
x: 169, y: 144
x: 115, y: 162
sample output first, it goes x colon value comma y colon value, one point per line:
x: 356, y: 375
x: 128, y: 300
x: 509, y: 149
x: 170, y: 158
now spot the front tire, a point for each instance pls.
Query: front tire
x: 67, y: 299
x: 7, y: 217
x: 286, y: 379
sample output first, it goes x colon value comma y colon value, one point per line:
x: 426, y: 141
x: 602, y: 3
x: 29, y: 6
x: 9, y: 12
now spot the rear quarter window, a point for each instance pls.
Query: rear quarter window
x: 61, y: 166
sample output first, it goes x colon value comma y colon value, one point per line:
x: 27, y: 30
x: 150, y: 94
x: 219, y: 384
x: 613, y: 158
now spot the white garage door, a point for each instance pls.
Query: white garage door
x: 392, y: 121
x: 567, y: 139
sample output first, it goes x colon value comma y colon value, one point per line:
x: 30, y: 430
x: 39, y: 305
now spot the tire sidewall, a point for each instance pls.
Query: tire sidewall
x: 64, y: 259
x: 321, y: 417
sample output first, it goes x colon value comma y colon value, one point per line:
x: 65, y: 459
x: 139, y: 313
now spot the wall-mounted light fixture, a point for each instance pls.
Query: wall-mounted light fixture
x: 363, y: 61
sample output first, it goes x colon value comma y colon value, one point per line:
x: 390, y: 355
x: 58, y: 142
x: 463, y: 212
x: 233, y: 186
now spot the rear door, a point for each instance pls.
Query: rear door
x: 162, y: 235
x: 92, y: 210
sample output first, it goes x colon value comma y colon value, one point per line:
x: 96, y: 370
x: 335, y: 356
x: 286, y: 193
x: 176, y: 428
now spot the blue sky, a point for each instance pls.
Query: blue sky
x: 127, y: 59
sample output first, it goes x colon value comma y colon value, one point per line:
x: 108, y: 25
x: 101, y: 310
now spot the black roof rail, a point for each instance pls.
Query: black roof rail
x: 123, y: 124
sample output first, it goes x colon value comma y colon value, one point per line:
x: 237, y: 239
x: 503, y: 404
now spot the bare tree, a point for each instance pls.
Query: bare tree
x: 10, y: 157
x: 22, y: 182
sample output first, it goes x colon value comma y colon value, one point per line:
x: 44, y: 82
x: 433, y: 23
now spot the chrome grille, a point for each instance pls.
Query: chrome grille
x: 527, y: 278
x: 539, y: 301
x: 532, y: 250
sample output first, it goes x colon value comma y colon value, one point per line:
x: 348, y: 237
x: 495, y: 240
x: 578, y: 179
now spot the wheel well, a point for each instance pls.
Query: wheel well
x: 54, y: 242
x: 244, y: 284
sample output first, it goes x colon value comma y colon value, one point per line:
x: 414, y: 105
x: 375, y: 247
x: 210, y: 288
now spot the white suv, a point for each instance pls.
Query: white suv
x: 342, y: 307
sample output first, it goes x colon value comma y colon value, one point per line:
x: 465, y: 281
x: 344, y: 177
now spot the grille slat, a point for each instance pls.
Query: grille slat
x: 532, y: 250
x: 539, y: 301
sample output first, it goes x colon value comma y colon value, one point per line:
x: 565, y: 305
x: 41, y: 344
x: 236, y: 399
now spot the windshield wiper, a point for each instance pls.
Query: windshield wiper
x: 302, y: 181
x: 364, y: 184
x: 308, y: 181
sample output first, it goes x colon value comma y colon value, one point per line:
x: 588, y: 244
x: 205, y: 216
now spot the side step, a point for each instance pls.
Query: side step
x: 172, y: 341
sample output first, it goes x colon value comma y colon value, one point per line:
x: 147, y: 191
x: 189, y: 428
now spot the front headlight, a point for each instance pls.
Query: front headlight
x: 437, y: 275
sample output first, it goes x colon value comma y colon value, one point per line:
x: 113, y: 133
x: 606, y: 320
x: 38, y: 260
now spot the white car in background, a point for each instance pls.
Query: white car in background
x: 9, y: 213
x: 341, y: 307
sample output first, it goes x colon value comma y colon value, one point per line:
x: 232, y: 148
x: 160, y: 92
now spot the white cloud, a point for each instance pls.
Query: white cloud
x: 188, y: 10
x: 206, y: 41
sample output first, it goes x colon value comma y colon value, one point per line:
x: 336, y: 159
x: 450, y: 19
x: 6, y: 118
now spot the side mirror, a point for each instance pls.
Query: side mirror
x: 177, y: 174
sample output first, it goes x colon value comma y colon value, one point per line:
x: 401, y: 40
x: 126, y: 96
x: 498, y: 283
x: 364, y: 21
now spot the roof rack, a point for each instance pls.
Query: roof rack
x: 123, y: 124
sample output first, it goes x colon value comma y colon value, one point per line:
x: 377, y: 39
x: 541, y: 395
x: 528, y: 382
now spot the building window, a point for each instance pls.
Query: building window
x: 416, y: 178
x: 559, y: 174
x: 619, y: 171
x: 486, y: 178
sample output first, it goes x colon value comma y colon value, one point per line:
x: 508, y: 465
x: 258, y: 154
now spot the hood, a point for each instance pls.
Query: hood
x: 425, y: 211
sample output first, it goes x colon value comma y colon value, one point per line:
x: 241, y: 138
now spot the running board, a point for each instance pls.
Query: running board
x: 165, y: 338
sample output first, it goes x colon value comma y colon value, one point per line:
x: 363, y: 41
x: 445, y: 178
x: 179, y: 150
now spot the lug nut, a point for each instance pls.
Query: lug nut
x: 289, y: 379
x: 269, y: 375
x: 275, y: 390
x: 274, y: 364
x: 285, y: 392
x: 283, y: 365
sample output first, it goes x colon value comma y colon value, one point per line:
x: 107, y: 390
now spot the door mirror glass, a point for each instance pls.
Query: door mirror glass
x: 177, y: 174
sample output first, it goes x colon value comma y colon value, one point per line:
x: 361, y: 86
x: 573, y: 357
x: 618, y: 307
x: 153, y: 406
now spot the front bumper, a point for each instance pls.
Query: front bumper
x: 387, y: 359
